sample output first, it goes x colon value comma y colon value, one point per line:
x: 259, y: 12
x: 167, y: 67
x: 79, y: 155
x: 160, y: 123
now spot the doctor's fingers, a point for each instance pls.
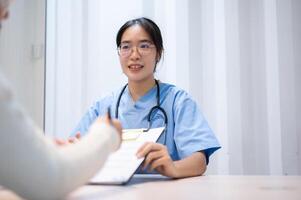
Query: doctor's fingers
x: 154, y: 155
x: 148, y: 147
x: 163, y: 162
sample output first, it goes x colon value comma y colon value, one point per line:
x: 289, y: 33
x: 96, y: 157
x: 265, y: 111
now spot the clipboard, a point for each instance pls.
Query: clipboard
x: 122, y: 164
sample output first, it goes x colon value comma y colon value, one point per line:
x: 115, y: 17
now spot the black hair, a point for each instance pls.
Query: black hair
x: 150, y: 27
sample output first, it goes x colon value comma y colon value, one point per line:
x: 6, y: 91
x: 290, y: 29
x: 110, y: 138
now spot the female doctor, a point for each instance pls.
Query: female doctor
x: 184, y: 148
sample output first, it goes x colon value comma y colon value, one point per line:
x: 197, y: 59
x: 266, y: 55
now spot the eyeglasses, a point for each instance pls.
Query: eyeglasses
x: 126, y: 49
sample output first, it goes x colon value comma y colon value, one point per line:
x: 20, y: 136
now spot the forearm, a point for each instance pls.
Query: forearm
x: 194, y: 165
x: 34, y: 168
x: 83, y: 159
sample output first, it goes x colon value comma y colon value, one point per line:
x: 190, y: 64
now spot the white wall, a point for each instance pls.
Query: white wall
x: 239, y: 59
x: 22, y: 54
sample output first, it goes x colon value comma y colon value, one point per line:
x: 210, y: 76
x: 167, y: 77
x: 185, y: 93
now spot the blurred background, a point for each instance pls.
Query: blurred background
x: 22, y: 42
x: 239, y: 59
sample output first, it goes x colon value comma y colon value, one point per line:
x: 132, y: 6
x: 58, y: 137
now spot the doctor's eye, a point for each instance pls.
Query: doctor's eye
x: 125, y: 47
x: 145, y: 45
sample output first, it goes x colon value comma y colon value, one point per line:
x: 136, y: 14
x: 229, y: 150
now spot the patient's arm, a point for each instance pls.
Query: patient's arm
x: 34, y: 167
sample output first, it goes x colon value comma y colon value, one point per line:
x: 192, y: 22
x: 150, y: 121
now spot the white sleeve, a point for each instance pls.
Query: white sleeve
x: 34, y: 167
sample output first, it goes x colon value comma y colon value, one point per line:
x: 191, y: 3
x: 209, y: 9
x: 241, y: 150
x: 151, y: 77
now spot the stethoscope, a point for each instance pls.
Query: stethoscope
x: 157, y: 107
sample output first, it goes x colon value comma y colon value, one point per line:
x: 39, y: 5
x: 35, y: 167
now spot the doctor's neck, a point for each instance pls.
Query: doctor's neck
x: 139, y: 88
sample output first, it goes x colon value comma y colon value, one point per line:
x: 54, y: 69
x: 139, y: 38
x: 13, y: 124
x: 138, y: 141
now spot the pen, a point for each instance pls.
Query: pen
x: 109, y: 115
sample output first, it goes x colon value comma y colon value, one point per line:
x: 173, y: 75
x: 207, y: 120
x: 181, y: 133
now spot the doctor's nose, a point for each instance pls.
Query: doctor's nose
x: 135, y: 54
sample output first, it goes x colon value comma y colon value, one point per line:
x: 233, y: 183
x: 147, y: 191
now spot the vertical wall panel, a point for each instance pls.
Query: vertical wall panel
x: 296, y: 16
x: 287, y: 87
x: 247, y: 124
x: 272, y: 90
x: 220, y: 79
x: 235, y: 133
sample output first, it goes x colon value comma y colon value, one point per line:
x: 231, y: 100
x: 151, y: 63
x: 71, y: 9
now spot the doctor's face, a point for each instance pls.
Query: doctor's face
x: 137, y: 54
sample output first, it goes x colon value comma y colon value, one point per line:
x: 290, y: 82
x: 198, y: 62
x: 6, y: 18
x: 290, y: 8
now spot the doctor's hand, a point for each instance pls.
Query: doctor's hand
x: 157, y: 158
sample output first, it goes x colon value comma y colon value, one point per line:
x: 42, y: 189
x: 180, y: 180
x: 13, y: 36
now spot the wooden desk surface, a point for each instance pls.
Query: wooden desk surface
x: 151, y: 187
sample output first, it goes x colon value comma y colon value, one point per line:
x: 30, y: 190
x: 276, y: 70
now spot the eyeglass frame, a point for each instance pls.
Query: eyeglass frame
x: 131, y: 49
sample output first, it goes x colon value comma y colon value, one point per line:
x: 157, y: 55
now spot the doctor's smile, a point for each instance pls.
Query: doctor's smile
x: 135, y: 67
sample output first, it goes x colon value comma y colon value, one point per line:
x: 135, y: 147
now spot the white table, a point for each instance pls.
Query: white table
x: 153, y: 187
x: 204, y: 187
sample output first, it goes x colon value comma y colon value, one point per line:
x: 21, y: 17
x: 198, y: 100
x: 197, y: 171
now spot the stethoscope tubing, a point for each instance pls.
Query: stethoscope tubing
x: 157, y: 107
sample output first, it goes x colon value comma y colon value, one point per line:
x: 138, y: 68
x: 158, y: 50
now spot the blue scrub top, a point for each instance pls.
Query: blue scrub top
x: 187, y: 129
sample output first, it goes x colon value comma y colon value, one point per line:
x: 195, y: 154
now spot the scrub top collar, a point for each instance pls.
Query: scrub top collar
x: 149, y: 96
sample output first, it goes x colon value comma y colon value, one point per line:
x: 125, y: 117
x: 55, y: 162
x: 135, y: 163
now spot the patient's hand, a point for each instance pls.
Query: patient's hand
x: 100, y: 120
x: 71, y: 140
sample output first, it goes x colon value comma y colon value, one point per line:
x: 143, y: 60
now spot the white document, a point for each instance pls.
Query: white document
x: 122, y: 164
